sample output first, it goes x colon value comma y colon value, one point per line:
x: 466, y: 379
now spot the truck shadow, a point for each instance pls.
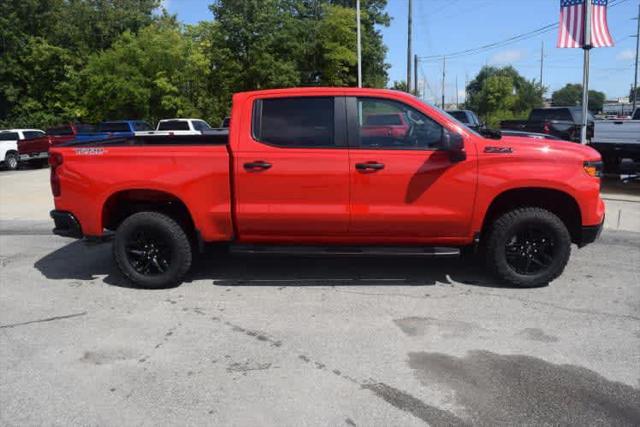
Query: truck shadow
x: 79, y: 261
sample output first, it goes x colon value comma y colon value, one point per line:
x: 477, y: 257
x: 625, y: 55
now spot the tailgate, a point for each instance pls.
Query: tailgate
x: 617, y: 132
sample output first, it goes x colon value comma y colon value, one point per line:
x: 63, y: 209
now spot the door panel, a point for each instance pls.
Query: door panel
x: 415, y: 192
x: 418, y: 194
x: 292, y: 172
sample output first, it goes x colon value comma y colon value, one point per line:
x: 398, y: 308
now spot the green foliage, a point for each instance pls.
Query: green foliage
x: 155, y: 74
x: 571, y: 94
x: 400, y: 85
x: 502, y: 93
x: 106, y: 59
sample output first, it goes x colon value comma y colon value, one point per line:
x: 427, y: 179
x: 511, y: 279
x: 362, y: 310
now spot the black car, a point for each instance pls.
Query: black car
x: 561, y: 122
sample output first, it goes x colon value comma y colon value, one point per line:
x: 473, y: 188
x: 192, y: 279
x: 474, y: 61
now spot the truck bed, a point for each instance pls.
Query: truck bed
x: 125, y: 171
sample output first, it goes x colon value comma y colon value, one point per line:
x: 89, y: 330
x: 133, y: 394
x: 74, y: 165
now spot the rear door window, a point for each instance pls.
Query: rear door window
x: 295, y: 122
x: 8, y: 136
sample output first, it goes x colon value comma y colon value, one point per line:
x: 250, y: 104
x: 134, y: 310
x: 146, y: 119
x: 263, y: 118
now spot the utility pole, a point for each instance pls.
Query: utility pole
x: 541, y: 60
x: 415, y: 74
x: 409, y: 51
x: 359, y: 42
x: 457, y: 103
x: 635, y: 79
x: 466, y: 85
x: 444, y: 76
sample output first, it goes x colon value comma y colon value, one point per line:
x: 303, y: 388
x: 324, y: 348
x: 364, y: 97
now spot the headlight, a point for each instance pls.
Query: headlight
x: 593, y: 168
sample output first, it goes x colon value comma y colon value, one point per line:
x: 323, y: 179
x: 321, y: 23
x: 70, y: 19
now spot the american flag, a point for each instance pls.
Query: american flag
x: 571, y: 32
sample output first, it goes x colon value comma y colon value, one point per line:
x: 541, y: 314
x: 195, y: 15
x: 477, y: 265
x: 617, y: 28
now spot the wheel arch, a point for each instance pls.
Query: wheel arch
x: 559, y: 202
x: 124, y: 203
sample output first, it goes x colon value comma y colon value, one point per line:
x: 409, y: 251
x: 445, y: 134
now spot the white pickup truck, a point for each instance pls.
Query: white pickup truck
x: 617, y: 140
x: 178, y: 127
x: 9, y: 138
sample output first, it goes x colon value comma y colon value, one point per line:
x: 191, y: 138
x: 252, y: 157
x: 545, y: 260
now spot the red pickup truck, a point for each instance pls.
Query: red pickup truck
x: 36, y: 150
x: 299, y: 172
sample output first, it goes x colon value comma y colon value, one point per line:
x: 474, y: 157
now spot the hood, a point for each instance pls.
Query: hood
x: 545, y: 146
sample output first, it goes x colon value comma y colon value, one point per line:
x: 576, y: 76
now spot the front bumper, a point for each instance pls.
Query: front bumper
x: 590, y: 234
x: 66, y: 225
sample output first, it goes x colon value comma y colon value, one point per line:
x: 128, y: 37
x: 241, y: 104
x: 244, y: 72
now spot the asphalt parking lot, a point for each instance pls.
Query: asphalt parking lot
x: 309, y: 341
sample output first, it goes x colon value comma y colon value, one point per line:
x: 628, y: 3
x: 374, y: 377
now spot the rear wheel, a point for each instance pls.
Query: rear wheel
x: 11, y: 160
x: 528, y: 247
x: 152, y: 250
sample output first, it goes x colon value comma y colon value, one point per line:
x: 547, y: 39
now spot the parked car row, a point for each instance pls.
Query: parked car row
x: 615, y: 140
x: 32, y: 145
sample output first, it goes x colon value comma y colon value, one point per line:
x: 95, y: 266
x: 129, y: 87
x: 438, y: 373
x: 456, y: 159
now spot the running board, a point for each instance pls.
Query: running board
x: 435, y: 251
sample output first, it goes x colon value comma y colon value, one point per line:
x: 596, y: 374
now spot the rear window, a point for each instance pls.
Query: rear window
x: 113, y: 127
x: 8, y: 136
x: 295, y: 122
x: 31, y: 134
x: 551, y: 114
x: 460, y: 115
x: 174, y: 125
x: 62, y: 130
x: 383, y: 120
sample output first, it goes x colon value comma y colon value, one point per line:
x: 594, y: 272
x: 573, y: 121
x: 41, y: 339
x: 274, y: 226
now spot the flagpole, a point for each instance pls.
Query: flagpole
x: 586, y: 46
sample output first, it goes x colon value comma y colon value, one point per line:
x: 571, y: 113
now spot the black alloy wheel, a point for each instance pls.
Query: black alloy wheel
x: 530, y: 250
x: 148, y: 252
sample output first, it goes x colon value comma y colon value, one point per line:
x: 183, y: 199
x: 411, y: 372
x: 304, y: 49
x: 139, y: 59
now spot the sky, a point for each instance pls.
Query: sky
x: 441, y: 27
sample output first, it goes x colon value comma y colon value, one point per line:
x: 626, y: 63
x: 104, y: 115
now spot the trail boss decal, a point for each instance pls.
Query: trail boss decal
x: 90, y: 151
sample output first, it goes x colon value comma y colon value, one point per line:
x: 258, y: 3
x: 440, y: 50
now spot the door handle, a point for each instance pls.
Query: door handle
x: 257, y: 165
x: 373, y: 166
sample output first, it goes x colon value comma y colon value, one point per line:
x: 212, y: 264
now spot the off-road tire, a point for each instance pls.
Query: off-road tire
x: 506, y: 226
x: 173, y: 237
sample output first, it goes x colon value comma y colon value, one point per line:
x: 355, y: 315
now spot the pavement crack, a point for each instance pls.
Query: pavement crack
x: 48, y: 319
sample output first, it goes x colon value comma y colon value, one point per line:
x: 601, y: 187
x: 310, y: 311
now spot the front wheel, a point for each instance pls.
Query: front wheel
x: 152, y: 250
x: 528, y: 247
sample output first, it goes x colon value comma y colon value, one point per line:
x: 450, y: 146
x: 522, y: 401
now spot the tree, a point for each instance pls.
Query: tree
x: 571, y: 94
x: 400, y: 85
x: 154, y: 74
x: 44, y: 45
x: 502, y: 93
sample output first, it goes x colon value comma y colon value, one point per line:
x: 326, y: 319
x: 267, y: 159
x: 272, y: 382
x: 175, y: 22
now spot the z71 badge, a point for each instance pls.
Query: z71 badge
x: 498, y: 150
x: 89, y: 151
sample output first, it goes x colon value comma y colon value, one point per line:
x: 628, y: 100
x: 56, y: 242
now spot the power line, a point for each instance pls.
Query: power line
x: 505, y: 42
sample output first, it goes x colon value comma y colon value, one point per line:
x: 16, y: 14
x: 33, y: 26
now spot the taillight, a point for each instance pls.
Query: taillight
x: 55, y: 160
x: 546, y: 128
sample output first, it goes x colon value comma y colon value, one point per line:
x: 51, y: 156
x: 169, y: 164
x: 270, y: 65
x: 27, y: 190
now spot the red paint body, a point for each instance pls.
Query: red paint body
x: 316, y: 195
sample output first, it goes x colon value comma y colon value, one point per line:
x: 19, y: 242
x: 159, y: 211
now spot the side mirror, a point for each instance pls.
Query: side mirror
x: 454, y: 144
